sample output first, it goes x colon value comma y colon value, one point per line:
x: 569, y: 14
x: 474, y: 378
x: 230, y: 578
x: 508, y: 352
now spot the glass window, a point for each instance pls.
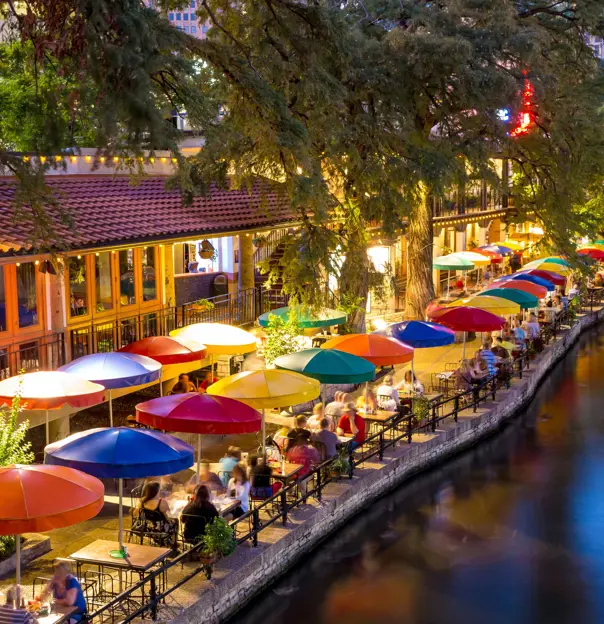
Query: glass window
x: 27, y: 299
x: 192, y: 4
x: 186, y: 29
x: 78, y: 283
x: 178, y: 17
x: 171, y: 16
x: 185, y: 16
x: 193, y: 30
x: 2, y: 302
x: 193, y: 15
x: 127, y: 290
x: 102, y: 274
x: 149, y: 273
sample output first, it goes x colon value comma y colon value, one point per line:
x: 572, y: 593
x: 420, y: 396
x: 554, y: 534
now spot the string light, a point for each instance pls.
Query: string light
x: 73, y: 159
x: 58, y: 158
x: 115, y: 159
x: 42, y: 159
x: 87, y: 158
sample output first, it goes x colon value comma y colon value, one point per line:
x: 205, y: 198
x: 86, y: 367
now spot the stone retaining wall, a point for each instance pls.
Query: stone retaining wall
x: 241, y: 585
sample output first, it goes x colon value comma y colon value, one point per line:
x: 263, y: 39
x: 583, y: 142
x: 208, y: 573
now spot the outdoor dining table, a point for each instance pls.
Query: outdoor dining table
x: 177, y: 502
x: 284, y: 472
x: 140, y: 557
x: 58, y: 614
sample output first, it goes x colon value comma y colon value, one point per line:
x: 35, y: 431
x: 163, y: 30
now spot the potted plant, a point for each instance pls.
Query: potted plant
x: 420, y: 410
x: 259, y: 241
x: 341, y: 463
x: 218, y: 541
x: 202, y: 305
x: 207, y: 250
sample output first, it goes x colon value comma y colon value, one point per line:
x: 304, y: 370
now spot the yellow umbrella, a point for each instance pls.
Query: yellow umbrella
x: 552, y: 267
x: 265, y: 389
x: 478, y: 260
x: 513, y: 245
x: 218, y: 338
x: 496, y: 305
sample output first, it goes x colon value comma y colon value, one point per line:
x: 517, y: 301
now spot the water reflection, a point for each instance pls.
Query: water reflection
x: 512, y: 531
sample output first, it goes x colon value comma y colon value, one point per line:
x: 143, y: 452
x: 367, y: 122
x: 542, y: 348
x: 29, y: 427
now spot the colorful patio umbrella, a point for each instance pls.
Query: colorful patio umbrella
x: 551, y: 260
x: 524, y: 285
x: 523, y: 299
x: 266, y: 389
x: 452, y: 262
x: 467, y: 319
x: 593, y: 252
x: 496, y: 305
x: 498, y: 249
x: 50, y: 390
x: 550, y: 267
x: 528, y: 276
x: 495, y: 257
x: 115, y: 370
x: 218, y: 338
x: 547, y: 276
x: 121, y: 453
x: 198, y: 413
x: 379, y: 350
x: 478, y: 260
x: 420, y: 335
x: 37, y: 499
x: 306, y: 318
x: 167, y: 350
x: 513, y: 245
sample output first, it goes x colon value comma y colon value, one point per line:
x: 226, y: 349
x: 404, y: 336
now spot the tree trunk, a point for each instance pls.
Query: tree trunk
x: 420, y: 236
x: 354, y: 279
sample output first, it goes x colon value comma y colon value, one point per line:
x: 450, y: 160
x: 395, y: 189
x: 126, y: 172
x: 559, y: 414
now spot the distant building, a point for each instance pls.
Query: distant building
x: 186, y: 19
x: 597, y: 44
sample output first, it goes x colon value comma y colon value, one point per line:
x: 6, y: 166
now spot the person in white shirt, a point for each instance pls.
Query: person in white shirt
x: 314, y: 422
x: 334, y: 409
x: 532, y: 327
x: 386, y: 393
x: 239, y: 488
x: 410, y: 384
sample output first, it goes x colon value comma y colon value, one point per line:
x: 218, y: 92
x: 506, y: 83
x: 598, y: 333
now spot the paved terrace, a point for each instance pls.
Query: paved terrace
x: 235, y: 570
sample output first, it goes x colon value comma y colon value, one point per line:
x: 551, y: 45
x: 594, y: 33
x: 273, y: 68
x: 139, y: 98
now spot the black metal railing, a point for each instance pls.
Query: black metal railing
x: 46, y: 353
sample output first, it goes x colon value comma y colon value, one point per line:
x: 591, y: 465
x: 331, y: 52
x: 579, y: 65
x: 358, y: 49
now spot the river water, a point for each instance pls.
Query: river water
x: 511, y: 531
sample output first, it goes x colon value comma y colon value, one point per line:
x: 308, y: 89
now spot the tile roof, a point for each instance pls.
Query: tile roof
x: 110, y: 210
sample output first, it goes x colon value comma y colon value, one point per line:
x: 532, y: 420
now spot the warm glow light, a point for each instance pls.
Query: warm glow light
x: 73, y: 159
x: 87, y: 158
x: 115, y: 159
x: 58, y: 158
x: 42, y: 159
x: 379, y: 324
x: 37, y: 262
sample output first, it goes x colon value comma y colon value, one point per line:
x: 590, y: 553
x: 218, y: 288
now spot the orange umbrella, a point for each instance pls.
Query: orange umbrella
x: 528, y: 287
x: 50, y: 390
x: 41, y: 498
x: 377, y: 349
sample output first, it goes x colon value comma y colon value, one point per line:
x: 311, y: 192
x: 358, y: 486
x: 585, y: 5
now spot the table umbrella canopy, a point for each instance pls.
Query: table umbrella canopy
x: 420, y: 334
x: 494, y: 257
x: 523, y: 299
x: 478, y: 260
x: 328, y: 366
x: 265, y: 389
x: 544, y: 276
x: 51, y: 390
x: 115, y: 370
x: 306, y: 318
x: 452, y: 262
x: 218, y: 338
x: 468, y: 319
x: 166, y: 350
x: 121, y: 453
x: 379, y: 350
x: 524, y: 285
x: 550, y: 267
x: 41, y: 498
x: 513, y: 245
x: 551, y: 260
x: 199, y: 413
x: 498, y: 249
x: 593, y: 252
x: 496, y: 305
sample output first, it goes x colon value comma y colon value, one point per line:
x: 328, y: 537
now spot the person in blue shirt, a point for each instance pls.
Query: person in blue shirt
x: 228, y: 462
x: 489, y: 357
x: 66, y: 591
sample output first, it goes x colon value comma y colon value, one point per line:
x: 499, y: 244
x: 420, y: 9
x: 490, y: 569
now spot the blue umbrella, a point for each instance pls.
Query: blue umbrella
x: 121, y: 453
x: 499, y: 249
x: 420, y: 335
x: 529, y: 278
x: 115, y: 370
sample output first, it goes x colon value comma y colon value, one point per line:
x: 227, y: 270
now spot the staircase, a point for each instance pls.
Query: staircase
x: 272, y: 251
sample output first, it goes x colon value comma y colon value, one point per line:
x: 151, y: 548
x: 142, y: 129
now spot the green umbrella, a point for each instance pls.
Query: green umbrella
x: 306, y: 318
x: 452, y: 262
x: 523, y: 299
x: 554, y: 260
x: 328, y: 366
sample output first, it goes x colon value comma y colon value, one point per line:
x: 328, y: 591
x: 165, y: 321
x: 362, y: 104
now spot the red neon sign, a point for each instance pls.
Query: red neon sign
x: 526, y: 117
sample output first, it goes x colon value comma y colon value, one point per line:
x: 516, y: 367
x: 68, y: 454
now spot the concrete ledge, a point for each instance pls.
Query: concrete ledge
x: 34, y: 546
x: 216, y: 601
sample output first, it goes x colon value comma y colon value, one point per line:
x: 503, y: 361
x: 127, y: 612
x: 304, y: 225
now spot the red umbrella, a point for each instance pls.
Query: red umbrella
x: 524, y: 285
x: 203, y: 414
x: 494, y: 256
x: 466, y: 318
x: 592, y: 252
x: 166, y: 350
x: 554, y: 278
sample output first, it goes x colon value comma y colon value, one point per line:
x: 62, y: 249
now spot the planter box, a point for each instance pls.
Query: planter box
x: 34, y: 546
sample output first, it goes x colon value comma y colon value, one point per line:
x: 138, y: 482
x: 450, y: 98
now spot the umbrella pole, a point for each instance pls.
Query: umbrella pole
x: 366, y: 397
x: 121, y: 513
x: 263, y: 432
x: 463, y: 353
x: 110, y: 410
x: 47, y: 429
x: 198, y: 458
x: 18, y: 569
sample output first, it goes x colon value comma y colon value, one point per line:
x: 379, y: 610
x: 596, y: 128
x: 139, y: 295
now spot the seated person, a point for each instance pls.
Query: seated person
x: 197, y: 515
x: 151, y: 500
x: 183, y: 385
x: 464, y: 376
x: 352, y: 424
x: 280, y: 438
x: 410, y: 384
x: 299, y: 431
x: 329, y: 439
x: 239, y: 488
x: 386, y: 393
x: 499, y: 350
x: 10, y: 613
x: 334, y: 408
x: 519, y: 334
x: 260, y: 477
x: 314, y: 422
x: 232, y: 458
x: 480, y: 368
x: 207, y: 478
x: 532, y: 327
x: 489, y: 357
x: 301, y: 452
x: 368, y: 398
x: 66, y: 591
x: 209, y: 379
